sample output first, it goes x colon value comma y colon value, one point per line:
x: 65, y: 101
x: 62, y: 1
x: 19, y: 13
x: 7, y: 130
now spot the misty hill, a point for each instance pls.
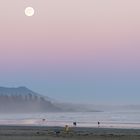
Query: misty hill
x: 22, y: 99
x: 73, y: 107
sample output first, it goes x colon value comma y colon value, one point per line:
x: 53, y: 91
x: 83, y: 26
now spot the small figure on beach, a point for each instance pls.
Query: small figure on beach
x: 98, y: 124
x: 66, y: 128
x: 57, y: 132
x: 74, y: 124
x: 43, y: 120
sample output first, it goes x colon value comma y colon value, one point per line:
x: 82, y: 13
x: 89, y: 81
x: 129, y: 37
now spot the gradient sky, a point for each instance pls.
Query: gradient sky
x: 72, y: 50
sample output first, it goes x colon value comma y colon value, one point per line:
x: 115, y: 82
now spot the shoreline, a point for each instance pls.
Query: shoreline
x: 135, y: 126
x: 58, y: 133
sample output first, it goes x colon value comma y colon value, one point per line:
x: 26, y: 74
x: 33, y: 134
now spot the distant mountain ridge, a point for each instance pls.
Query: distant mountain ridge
x: 16, y: 91
x: 20, y: 91
x: 22, y: 99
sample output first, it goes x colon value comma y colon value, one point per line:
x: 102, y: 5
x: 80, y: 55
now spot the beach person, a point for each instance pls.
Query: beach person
x: 98, y: 124
x: 43, y: 120
x: 57, y: 132
x: 74, y: 124
x: 66, y: 128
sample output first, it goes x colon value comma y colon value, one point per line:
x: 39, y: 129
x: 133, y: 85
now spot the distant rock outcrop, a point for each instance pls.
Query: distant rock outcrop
x: 22, y: 99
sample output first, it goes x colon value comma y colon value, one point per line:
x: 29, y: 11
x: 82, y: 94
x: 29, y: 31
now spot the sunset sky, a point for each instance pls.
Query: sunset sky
x: 72, y: 50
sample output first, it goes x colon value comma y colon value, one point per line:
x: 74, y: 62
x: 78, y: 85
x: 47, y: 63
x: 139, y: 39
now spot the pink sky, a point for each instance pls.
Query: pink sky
x: 101, y: 36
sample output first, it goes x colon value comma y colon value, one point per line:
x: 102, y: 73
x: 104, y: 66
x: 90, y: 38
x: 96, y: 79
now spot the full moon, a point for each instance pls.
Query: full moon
x: 29, y: 11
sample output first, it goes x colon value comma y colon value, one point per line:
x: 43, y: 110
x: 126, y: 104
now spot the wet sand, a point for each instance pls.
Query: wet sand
x: 58, y: 133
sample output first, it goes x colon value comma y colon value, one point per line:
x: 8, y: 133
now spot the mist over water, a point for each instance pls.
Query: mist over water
x: 109, y: 119
x: 22, y: 106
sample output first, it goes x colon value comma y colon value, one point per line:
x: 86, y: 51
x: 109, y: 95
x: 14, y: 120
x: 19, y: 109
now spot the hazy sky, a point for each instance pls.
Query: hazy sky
x: 74, y: 50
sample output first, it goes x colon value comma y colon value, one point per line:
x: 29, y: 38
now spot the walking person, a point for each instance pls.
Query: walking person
x: 98, y: 124
x: 74, y: 124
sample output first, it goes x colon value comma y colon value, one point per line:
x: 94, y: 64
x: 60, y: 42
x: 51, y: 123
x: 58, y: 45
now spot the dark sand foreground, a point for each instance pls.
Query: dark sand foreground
x: 58, y: 133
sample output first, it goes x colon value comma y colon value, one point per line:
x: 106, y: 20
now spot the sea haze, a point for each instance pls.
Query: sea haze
x: 24, y: 100
x: 22, y: 106
x: 108, y: 119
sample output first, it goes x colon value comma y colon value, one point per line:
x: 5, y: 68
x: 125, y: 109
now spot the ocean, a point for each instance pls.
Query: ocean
x: 107, y: 119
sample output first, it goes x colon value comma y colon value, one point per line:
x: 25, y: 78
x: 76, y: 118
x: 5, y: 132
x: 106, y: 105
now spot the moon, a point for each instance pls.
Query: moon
x: 29, y: 11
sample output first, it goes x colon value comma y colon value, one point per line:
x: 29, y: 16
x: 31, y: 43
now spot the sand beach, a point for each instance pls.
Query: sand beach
x: 59, y: 133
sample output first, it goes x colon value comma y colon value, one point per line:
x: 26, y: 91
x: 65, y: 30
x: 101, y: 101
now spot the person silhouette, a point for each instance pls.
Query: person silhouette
x: 43, y: 120
x: 98, y: 124
x: 74, y: 124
